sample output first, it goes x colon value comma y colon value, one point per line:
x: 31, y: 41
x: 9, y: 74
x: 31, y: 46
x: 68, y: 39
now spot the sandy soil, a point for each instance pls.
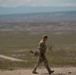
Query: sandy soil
x: 58, y: 71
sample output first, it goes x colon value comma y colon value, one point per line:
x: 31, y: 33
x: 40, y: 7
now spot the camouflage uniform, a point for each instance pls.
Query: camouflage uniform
x: 42, y: 58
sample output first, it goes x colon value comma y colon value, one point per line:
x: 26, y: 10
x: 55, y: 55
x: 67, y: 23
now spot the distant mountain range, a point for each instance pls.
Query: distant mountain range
x: 32, y: 9
x: 39, y: 22
x: 43, y: 15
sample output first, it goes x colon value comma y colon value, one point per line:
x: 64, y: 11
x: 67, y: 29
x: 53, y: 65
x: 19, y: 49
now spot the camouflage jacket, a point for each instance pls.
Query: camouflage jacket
x: 42, y: 47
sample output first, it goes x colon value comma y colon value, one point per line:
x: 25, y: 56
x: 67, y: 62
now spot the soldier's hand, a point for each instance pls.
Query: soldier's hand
x: 50, y: 48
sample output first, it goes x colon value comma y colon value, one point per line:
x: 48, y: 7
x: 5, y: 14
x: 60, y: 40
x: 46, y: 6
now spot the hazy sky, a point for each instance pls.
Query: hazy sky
x: 16, y: 3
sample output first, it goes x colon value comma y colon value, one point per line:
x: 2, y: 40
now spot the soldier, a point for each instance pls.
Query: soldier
x: 42, y: 58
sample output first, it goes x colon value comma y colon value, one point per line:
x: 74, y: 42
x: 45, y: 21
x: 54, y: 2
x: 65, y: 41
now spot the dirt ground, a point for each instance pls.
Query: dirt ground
x: 58, y: 71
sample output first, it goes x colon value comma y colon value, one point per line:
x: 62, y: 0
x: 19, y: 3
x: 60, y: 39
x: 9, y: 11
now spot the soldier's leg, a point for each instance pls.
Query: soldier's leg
x: 39, y: 61
x: 46, y: 65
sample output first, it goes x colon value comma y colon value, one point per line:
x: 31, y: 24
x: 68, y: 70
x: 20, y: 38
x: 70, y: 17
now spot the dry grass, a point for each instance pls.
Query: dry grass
x: 18, y: 44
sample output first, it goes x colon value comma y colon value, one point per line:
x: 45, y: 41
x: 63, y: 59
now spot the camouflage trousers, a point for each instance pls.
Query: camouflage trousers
x: 42, y: 58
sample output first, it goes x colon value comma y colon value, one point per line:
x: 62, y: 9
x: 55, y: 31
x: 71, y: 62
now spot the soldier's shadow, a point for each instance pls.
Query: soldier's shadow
x: 52, y: 74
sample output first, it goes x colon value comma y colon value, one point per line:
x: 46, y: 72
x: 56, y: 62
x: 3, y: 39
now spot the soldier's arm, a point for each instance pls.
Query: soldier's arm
x: 41, y: 48
x: 50, y: 48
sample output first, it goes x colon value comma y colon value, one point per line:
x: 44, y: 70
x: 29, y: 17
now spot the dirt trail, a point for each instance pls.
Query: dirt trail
x: 11, y: 58
x: 58, y: 71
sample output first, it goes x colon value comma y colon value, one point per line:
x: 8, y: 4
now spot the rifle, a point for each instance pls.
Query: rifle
x: 36, y: 53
